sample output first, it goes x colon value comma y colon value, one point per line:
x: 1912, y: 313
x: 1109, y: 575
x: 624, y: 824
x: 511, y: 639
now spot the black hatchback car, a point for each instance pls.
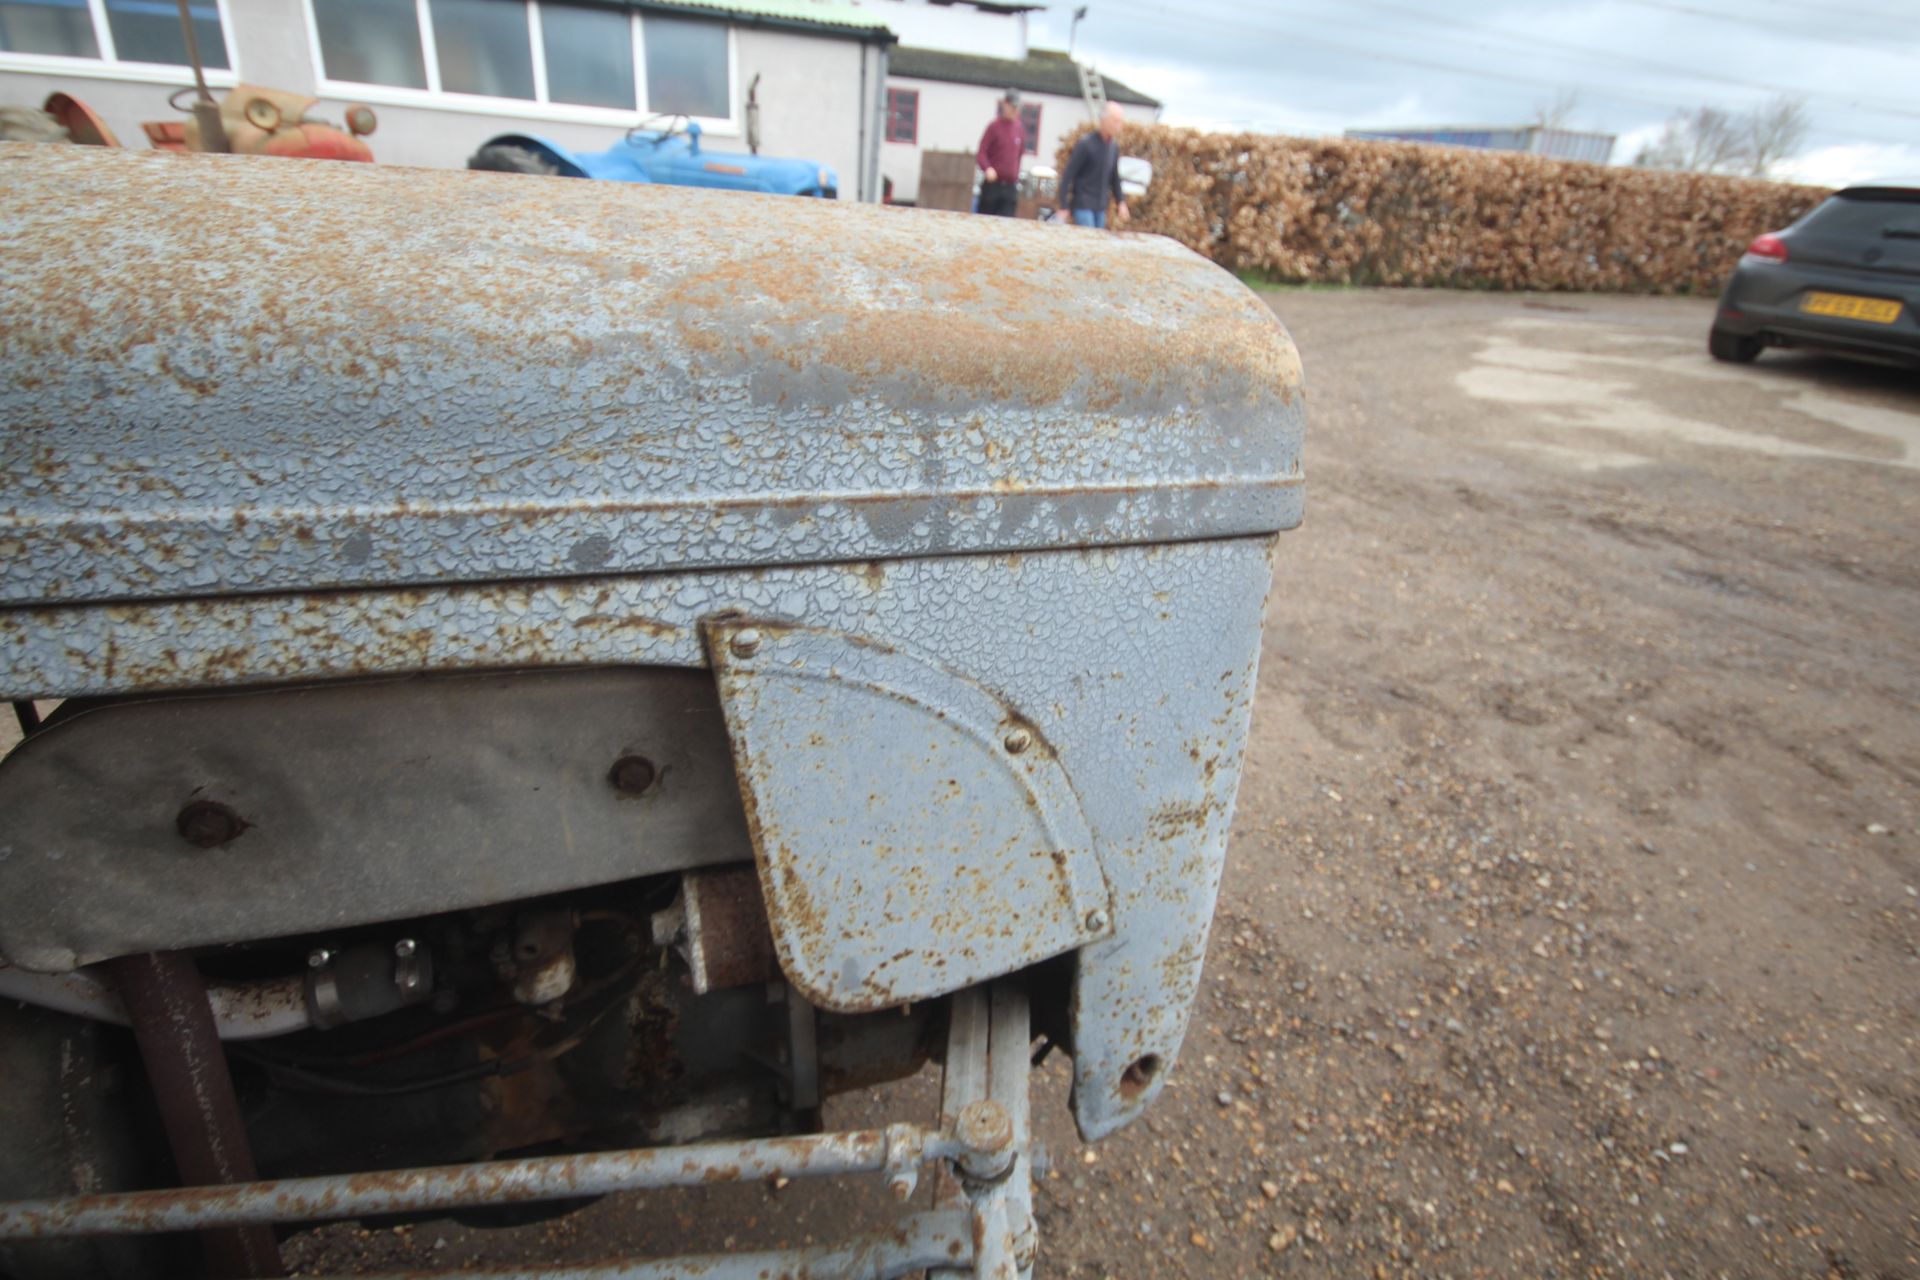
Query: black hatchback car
x: 1845, y: 277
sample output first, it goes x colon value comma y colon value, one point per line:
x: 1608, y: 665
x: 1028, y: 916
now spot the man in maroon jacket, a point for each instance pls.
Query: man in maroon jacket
x: 999, y: 158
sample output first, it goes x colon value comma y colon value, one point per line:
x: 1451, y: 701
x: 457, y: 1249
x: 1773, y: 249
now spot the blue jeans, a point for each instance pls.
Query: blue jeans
x: 1090, y: 218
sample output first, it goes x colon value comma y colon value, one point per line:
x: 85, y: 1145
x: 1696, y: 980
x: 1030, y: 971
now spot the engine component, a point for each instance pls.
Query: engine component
x: 241, y: 1010
x: 366, y: 981
x: 718, y: 924
x: 540, y: 963
x: 983, y: 1138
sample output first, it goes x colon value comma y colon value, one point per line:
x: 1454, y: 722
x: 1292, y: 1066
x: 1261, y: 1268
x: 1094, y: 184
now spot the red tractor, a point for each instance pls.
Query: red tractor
x: 250, y: 120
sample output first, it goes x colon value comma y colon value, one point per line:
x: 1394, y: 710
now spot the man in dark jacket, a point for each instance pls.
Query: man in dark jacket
x: 1093, y: 173
x: 999, y: 158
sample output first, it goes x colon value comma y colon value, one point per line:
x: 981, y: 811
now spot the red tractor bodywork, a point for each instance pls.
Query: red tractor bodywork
x: 262, y: 122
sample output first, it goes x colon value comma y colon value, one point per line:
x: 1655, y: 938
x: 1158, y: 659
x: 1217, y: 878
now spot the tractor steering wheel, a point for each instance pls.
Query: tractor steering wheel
x: 675, y: 124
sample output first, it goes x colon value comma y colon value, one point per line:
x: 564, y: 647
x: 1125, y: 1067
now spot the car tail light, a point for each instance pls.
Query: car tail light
x: 1770, y: 247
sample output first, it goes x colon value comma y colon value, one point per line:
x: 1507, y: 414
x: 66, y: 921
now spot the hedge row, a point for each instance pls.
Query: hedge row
x: 1399, y: 213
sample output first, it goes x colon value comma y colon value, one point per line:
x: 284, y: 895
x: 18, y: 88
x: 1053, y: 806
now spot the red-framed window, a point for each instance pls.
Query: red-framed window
x: 903, y: 115
x: 1030, y: 121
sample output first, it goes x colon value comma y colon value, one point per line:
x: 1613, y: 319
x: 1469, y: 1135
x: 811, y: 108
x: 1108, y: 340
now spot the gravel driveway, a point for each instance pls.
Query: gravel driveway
x: 1570, y: 925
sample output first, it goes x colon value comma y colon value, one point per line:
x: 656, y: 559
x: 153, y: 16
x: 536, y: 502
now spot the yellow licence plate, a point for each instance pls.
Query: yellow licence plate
x: 1848, y: 307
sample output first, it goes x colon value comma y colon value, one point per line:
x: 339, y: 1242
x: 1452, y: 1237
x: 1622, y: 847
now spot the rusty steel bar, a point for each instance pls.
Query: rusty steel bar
x: 465, y: 1185
x: 206, y: 112
x: 993, y: 1229
x: 166, y: 1001
x: 1009, y: 1065
x: 914, y: 1244
x: 985, y: 1094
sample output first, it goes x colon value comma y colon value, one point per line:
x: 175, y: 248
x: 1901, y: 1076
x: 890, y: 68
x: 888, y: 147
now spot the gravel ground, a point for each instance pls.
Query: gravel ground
x: 1570, y: 921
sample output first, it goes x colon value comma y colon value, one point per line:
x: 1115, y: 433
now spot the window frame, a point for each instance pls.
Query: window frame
x: 110, y: 66
x: 1033, y: 134
x: 433, y: 97
x: 913, y: 141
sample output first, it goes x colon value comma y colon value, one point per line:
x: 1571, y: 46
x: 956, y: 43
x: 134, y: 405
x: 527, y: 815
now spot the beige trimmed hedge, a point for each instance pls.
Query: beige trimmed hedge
x: 1400, y: 213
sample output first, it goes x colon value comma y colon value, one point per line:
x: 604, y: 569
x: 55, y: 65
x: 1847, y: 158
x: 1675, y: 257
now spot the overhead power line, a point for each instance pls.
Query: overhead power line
x: 1635, y: 60
x: 1799, y: 9
x: 1240, y: 29
x: 1722, y: 16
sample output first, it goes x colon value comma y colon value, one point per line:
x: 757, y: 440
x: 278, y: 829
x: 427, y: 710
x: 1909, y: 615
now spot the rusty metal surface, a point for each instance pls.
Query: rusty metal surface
x: 917, y: 1242
x: 493, y: 1182
x: 989, y: 1037
x: 485, y: 378
x: 987, y: 1131
x: 357, y: 802
x: 166, y: 1002
x: 915, y: 834
x: 1137, y: 665
x: 724, y: 936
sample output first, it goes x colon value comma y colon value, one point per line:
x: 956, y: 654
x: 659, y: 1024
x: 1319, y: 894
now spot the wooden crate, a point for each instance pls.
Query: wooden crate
x: 946, y: 180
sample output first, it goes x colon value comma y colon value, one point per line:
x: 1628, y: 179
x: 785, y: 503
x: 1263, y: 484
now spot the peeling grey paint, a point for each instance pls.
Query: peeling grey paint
x: 402, y: 377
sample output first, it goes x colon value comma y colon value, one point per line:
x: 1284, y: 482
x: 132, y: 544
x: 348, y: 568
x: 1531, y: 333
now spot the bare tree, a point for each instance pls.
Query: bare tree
x: 1704, y: 140
x: 1775, y: 132
x: 1712, y: 140
x: 1556, y: 114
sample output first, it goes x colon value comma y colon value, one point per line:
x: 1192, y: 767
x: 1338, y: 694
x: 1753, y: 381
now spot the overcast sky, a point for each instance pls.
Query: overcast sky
x: 1322, y: 66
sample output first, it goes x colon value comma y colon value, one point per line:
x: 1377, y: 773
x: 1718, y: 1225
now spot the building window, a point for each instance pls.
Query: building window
x: 903, y: 116
x: 686, y: 66
x: 371, y: 42
x: 483, y: 47
x: 60, y: 30
x: 148, y: 32
x: 584, y: 60
x: 1030, y: 124
x: 589, y: 55
x: 115, y: 31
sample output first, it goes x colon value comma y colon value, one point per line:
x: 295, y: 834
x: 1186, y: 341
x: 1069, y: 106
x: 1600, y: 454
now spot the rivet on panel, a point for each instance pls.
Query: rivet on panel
x: 1016, y: 741
x: 631, y: 774
x: 745, y: 644
x: 1096, y: 919
x: 208, y: 824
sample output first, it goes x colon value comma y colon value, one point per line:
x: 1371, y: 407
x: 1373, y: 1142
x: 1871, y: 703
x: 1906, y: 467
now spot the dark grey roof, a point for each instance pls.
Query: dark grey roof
x: 1042, y: 71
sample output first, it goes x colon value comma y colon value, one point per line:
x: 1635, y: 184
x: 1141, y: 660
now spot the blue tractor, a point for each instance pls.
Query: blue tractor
x: 669, y: 155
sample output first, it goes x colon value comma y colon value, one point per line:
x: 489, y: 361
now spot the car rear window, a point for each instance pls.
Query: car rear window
x: 1866, y: 216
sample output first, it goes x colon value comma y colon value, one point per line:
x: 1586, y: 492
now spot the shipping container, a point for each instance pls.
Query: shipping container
x: 1561, y: 144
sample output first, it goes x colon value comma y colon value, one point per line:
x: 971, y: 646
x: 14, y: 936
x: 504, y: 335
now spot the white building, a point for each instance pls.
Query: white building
x: 445, y: 75
x: 940, y: 101
x: 955, y: 59
x: 988, y: 28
